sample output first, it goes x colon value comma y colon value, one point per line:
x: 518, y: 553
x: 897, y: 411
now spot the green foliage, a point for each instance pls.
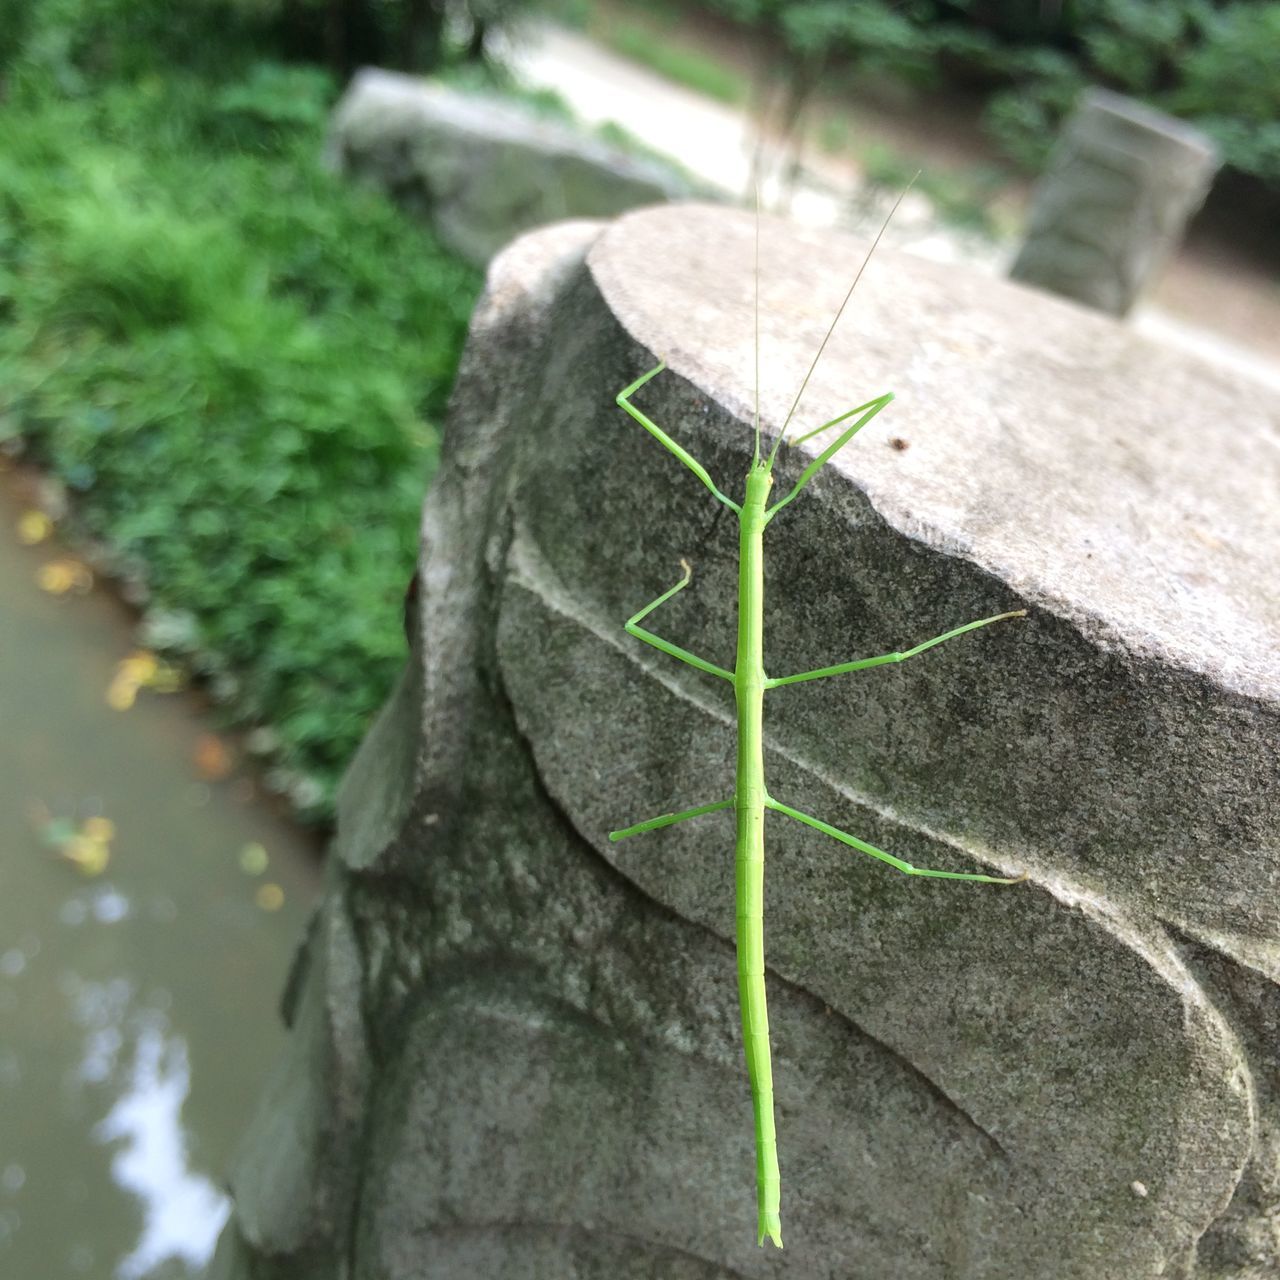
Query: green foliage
x: 874, y: 35
x: 1025, y: 119
x: 238, y: 363
x: 684, y: 66
x: 963, y: 199
x: 1215, y: 66
x: 83, y: 42
x: 78, y: 43
x: 1132, y: 44
x: 270, y: 102
x: 1213, y: 62
x: 570, y: 13
x: 1236, y: 71
x: 1231, y: 86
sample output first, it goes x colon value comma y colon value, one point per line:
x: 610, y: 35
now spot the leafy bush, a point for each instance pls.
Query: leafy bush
x: 963, y: 199
x: 1213, y: 62
x: 78, y: 43
x: 1236, y: 71
x: 683, y: 66
x: 880, y: 36
x: 1215, y: 67
x: 1231, y: 86
x: 238, y: 363
x: 1025, y: 120
x: 100, y: 41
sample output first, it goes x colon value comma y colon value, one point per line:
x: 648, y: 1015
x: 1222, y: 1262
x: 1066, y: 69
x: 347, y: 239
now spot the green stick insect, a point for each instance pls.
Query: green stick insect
x: 751, y: 797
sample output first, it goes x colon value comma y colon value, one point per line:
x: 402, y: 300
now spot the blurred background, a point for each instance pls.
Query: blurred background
x: 223, y: 370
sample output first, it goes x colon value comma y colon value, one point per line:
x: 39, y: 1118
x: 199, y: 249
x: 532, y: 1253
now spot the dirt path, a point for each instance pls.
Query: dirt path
x: 1211, y: 299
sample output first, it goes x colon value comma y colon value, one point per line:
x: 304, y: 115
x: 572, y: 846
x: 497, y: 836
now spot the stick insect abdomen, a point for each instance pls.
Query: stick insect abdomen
x: 749, y: 805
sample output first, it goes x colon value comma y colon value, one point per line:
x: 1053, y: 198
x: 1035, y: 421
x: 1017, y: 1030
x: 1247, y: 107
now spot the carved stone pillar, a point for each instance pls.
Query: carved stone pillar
x: 1121, y: 187
x: 516, y: 1048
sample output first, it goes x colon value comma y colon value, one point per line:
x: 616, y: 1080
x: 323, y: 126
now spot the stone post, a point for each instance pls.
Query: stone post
x: 482, y: 170
x: 1123, y: 183
x: 516, y: 1049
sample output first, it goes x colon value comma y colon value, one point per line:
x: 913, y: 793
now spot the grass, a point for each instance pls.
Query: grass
x: 237, y: 363
x: 650, y: 43
x: 962, y: 199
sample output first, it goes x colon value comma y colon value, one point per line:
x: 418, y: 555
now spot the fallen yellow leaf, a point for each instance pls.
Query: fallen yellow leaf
x: 122, y: 693
x: 99, y: 829
x: 270, y: 897
x: 139, y: 666
x: 33, y: 527
x: 60, y: 576
x: 89, y: 856
x: 141, y: 669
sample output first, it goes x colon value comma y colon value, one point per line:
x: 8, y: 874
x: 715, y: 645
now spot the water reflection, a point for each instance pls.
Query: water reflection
x: 182, y: 1211
x: 137, y: 990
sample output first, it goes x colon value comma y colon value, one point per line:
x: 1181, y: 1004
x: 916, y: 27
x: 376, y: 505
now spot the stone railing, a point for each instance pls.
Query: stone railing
x: 516, y: 1049
x: 1124, y: 182
x: 481, y: 169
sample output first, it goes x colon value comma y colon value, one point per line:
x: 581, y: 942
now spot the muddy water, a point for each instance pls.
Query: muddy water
x: 137, y: 1006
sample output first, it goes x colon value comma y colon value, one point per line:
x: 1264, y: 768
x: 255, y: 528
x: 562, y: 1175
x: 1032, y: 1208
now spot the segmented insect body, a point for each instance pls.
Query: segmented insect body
x: 751, y: 797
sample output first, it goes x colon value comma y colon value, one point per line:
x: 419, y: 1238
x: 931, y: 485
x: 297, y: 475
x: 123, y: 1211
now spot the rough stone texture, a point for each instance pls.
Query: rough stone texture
x: 293, y: 1180
x: 1124, y: 182
x: 483, y: 169
x: 1077, y: 1078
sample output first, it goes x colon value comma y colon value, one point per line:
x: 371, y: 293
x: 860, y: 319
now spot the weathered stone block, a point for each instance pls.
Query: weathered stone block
x: 482, y: 169
x: 1077, y: 1077
x: 1124, y: 181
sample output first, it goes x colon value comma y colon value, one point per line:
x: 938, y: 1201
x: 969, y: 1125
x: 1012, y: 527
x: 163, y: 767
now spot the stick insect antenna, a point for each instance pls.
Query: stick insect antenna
x: 795, y: 404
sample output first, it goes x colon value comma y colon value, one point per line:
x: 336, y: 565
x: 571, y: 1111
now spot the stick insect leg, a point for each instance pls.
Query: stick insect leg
x: 868, y: 411
x: 668, y: 820
x: 871, y: 851
x: 633, y: 628
x: 623, y: 399
x: 862, y: 664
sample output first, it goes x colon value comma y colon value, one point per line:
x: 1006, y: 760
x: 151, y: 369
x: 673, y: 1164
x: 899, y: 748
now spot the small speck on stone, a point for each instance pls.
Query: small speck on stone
x: 1139, y: 1189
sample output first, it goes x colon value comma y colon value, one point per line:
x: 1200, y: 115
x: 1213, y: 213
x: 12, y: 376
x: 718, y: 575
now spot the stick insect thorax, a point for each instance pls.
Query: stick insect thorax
x: 751, y: 797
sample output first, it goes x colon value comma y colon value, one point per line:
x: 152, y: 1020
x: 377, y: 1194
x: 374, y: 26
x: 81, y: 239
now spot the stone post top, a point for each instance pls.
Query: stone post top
x: 1138, y: 116
x: 1129, y: 488
x: 384, y: 106
x: 418, y: 98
